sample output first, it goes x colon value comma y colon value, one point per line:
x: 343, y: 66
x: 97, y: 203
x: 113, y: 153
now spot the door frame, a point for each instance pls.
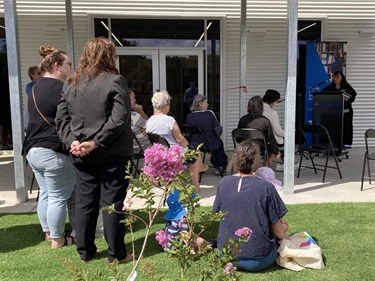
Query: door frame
x: 159, y: 79
x: 154, y: 53
x: 185, y: 52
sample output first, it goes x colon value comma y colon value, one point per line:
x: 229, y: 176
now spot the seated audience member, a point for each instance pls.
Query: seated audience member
x: 177, y: 222
x: 162, y: 124
x: 270, y: 99
x: 254, y: 203
x: 206, y: 120
x: 254, y: 119
x: 139, y: 119
x: 268, y: 174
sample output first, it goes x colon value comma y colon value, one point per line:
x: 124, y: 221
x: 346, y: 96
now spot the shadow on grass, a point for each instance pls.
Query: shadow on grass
x: 153, y: 247
x: 19, y: 236
x: 20, y: 231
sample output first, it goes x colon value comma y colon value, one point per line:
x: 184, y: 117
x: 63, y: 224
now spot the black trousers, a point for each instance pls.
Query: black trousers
x: 100, y: 182
x: 348, y: 128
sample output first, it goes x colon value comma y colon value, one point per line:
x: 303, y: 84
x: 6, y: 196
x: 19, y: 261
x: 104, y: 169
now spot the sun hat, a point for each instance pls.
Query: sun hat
x: 175, y: 209
x: 268, y: 174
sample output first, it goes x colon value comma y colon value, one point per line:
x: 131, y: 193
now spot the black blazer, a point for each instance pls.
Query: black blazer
x: 98, y: 110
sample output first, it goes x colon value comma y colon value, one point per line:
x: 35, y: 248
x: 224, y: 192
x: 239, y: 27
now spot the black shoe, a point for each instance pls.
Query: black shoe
x: 213, y: 243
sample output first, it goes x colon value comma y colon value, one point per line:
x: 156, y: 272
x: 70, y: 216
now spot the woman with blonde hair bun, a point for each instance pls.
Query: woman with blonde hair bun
x: 44, y: 151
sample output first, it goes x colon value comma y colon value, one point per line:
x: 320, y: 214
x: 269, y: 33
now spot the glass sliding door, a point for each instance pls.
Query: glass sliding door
x: 141, y: 69
x: 148, y: 71
x: 167, y: 54
x: 178, y: 68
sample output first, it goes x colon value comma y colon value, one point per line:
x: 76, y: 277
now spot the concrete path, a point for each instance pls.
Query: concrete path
x: 308, y: 188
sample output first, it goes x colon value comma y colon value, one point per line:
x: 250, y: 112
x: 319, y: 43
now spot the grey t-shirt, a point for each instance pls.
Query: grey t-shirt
x: 256, y: 205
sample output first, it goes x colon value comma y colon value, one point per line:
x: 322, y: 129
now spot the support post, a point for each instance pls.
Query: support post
x: 243, y: 35
x: 69, y: 31
x: 15, y: 94
x: 290, y: 108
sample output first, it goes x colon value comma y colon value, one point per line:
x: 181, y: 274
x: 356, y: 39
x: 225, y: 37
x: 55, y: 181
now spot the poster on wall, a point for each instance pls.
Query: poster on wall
x: 333, y: 56
x: 322, y: 59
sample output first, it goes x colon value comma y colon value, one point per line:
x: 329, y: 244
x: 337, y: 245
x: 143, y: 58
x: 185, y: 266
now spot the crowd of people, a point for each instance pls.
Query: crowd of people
x: 81, y: 135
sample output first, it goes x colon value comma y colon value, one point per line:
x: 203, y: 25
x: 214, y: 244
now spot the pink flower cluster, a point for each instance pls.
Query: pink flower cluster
x: 163, y: 238
x: 244, y: 233
x: 229, y: 268
x: 164, y: 163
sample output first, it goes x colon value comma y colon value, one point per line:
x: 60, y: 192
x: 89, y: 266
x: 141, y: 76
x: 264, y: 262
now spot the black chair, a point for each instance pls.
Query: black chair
x: 369, y: 155
x: 240, y: 134
x: 155, y: 138
x: 318, y: 141
x: 189, y: 132
x: 32, y: 182
x: 137, y: 156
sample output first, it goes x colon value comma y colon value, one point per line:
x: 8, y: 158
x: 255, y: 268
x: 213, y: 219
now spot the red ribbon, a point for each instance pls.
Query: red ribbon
x: 244, y: 88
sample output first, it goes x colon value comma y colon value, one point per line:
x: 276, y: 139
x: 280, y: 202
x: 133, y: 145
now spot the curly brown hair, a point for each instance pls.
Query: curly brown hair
x: 50, y: 56
x: 99, y: 56
x: 246, y: 157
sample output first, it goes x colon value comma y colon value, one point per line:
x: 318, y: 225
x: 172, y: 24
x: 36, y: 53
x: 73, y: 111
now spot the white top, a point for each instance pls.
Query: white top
x: 272, y: 115
x: 162, y: 124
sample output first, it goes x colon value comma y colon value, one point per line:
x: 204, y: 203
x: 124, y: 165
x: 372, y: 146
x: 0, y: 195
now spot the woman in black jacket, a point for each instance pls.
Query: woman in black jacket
x: 93, y: 119
x: 255, y: 119
x: 339, y: 83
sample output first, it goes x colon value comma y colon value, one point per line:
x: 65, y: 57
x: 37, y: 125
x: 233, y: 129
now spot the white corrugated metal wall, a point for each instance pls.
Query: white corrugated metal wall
x: 266, y: 51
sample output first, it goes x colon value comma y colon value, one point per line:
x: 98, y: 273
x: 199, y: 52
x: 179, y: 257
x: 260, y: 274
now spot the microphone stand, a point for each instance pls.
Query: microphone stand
x: 299, y: 121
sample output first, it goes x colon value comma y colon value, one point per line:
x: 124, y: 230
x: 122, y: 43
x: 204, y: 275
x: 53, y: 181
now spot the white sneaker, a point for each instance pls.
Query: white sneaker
x: 303, y: 167
x: 279, y: 167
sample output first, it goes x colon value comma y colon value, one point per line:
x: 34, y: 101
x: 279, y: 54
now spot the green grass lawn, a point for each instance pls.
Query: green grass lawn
x: 344, y: 231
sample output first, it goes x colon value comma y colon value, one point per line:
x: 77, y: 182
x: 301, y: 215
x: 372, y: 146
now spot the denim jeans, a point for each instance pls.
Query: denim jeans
x: 257, y: 264
x: 54, y: 174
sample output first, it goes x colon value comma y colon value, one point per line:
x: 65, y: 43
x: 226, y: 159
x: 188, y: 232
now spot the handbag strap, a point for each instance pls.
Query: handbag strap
x: 37, y: 109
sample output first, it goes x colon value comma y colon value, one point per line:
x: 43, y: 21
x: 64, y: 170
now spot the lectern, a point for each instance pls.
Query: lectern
x: 328, y: 111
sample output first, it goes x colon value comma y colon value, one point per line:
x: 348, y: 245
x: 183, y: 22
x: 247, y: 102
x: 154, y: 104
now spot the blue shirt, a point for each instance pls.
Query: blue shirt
x: 29, y: 86
x: 175, y: 209
x: 210, y: 126
x: 256, y: 205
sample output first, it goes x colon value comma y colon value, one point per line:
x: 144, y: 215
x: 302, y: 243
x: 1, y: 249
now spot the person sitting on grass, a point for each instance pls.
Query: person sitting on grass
x: 176, y: 218
x: 254, y: 203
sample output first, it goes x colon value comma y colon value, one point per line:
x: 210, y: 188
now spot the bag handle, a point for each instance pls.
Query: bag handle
x: 37, y: 109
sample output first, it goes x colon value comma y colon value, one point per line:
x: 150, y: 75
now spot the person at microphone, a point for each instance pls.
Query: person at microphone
x: 322, y: 82
x: 339, y: 83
